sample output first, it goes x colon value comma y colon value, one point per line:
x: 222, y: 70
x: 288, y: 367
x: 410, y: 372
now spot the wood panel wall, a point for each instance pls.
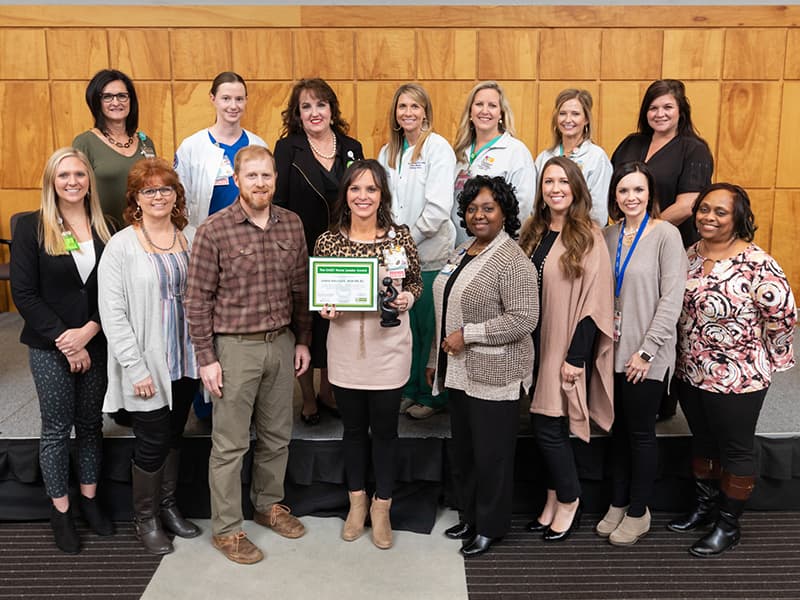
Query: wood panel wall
x: 741, y: 66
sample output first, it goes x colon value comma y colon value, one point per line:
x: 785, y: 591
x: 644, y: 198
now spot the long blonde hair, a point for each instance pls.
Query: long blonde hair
x: 50, y: 229
x: 396, y: 135
x: 576, y: 235
x: 466, y: 130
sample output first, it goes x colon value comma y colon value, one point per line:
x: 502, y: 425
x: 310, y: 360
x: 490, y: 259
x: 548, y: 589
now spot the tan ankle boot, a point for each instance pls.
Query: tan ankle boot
x: 611, y: 521
x: 630, y: 530
x: 381, y: 526
x: 354, y: 525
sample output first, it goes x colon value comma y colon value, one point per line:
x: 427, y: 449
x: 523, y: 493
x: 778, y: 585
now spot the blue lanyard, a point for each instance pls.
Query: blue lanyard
x: 619, y: 274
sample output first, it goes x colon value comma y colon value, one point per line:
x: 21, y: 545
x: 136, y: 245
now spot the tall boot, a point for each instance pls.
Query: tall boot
x: 146, y: 493
x: 171, y: 517
x: 725, y: 535
x: 706, y: 493
x: 381, y: 525
x: 354, y: 525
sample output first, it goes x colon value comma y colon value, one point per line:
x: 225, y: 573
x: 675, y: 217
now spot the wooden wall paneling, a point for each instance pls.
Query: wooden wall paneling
x: 265, y: 101
x: 785, y: 233
x: 619, y: 111
x: 140, y: 53
x: 346, y: 94
x: 631, y: 54
x: 522, y: 95
x: 323, y: 53
x: 191, y: 108
x: 373, y: 99
x: 548, y: 90
x: 155, y: 115
x: 792, y: 69
x: 763, y: 204
x: 704, y: 98
x: 262, y: 53
x: 70, y: 115
x: 692, y: 54
x: 23, y: 54
x: 507, y: 53
x: 26, y: 132
x: 200, y: 53
x: 446, y: 54
x: 748, y: 144
x: 385, y: 54
x: 448, y: 99
x: 14, y: 201
x: 754, y: 53
x: 569, y: 53
x: 76, y: 54
x: 789, y: 137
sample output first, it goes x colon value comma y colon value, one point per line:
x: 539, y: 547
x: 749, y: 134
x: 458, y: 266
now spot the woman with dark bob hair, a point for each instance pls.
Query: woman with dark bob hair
x: 649, y: 277
x: 114, y: 143
x: 735, y: 330
x: 152, y: 371
x: 369, y: 364
x: 486, y: 305
x: 573, y: 372
x: 311, y: 157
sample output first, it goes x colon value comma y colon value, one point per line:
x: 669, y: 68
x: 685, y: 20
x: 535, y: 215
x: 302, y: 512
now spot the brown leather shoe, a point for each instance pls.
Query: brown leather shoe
x: 281, y: 521
x: 237, y: 548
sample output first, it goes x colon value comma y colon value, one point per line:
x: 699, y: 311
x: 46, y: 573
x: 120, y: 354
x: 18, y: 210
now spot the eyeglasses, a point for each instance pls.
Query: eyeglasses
x: 150, y: 193
x: 122, y: 97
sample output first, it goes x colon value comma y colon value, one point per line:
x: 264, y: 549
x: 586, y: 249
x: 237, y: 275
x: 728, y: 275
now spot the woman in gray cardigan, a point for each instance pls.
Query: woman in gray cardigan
x: 152, y: 371
x: 486, y: 303
x: 650, y: 273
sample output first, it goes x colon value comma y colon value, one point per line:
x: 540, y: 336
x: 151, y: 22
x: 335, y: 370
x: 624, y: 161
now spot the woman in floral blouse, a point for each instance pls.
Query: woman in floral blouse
x: 735, y: 330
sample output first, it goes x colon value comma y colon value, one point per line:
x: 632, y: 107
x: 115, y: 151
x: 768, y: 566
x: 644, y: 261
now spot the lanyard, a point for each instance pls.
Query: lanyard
x: 619, y: 274
x: 400, y: 158
x: 473, y: 154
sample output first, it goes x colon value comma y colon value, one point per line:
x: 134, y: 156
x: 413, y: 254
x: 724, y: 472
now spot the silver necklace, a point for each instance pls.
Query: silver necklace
x: 149, y: 241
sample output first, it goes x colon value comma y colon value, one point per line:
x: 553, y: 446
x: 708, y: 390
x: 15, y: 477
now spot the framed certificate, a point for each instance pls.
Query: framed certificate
x: 349, y: 283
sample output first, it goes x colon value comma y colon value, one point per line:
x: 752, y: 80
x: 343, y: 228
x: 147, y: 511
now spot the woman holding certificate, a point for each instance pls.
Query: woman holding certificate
x: 368, y: 365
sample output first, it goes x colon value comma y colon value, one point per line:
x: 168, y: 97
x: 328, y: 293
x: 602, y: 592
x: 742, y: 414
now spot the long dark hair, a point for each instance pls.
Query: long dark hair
x: 340, y: 217
x: 320, y: 89
x: 677, y: 90
x: 100, y: 80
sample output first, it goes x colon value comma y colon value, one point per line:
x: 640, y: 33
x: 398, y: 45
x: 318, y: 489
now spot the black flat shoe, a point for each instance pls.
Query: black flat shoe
x: 460, y: 531
x: 559, y: 536
x: 310, y: 420
x: 536, y: 527
x: 479, y: 545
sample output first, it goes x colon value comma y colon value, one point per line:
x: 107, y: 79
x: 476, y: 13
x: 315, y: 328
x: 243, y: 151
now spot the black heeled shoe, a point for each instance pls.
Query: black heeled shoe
x: 479, y: 545
x: 460, y: 531
x: 559, y: 536
x: 536, y: 527
x: 328, y: 408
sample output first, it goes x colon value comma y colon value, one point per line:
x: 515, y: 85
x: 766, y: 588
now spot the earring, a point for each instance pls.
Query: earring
x: 175, y: 211
x: 137, y: 214
x: 425, y: 125
x: 398, y: 128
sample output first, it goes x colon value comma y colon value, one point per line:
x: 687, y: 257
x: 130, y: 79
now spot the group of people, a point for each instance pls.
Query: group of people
x: 137, y: 280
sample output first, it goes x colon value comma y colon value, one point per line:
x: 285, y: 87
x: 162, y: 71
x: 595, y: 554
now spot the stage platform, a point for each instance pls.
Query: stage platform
x: 315, y: 477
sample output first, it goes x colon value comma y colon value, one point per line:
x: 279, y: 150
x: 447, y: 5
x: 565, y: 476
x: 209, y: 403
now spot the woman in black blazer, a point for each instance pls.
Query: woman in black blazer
x: 54, y: 259
x: 311, y: 157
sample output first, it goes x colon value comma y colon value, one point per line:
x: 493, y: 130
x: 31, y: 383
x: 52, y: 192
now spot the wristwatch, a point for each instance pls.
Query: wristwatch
x: 645, y: 356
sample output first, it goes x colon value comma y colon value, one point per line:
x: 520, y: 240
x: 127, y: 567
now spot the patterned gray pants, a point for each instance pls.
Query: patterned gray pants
x: 69, y: 399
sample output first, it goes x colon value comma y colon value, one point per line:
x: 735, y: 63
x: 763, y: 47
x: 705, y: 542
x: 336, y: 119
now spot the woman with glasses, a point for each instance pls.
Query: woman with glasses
x: 152, y: 368
x: 114, y: 144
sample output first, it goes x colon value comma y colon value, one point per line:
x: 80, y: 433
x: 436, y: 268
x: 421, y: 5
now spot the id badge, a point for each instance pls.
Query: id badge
x: 461, y: 179
x: 224, y: 173
x: 396, y: 261
x: 617, y: 325
x: 448, y: 269
x: 70, y: 243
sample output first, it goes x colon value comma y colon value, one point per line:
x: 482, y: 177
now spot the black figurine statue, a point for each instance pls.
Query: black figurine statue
x: 388, y: 313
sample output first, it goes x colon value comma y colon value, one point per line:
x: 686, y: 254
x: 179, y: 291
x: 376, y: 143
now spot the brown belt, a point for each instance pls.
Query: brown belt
x: 259, y: 336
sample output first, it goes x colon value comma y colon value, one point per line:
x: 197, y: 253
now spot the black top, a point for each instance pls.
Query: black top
x: 305, y: 187
x: 683, y: 165
x: 448, y: 286
x: 48, y: 290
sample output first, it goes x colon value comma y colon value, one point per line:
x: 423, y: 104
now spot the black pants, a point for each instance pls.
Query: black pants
x: 484, y: 439
x: 364, y: 411
x: 552, y: 436
x: 633, y: 439
x: 723, y: 426
x: 158, y: 431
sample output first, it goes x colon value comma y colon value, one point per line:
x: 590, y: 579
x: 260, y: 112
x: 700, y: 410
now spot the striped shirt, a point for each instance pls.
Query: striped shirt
x: 244, y: 279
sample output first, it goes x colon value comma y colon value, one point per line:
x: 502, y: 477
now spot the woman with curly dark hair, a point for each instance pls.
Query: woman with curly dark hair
x: 573, y: 372
x: 311, y: 157
x: 486, y: 308
x: 152, y: 368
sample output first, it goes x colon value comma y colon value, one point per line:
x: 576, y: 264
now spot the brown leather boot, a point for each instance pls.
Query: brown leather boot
x: 146, y: 496
x: 381, y: 525
x: 171, y: 517
x: 354, y: 525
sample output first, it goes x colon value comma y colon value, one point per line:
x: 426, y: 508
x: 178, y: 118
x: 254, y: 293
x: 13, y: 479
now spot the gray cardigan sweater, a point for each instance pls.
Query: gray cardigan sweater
x: 130, y: 314
x: 495, y: 298
x: 651, y: 296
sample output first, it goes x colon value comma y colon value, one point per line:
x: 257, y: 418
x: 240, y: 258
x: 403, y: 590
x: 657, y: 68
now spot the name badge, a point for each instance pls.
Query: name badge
x: 448, y: 269
x: 225, y: 171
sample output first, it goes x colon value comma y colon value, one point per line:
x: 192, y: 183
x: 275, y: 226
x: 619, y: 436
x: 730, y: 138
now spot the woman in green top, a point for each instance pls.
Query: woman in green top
x: 113, y: 145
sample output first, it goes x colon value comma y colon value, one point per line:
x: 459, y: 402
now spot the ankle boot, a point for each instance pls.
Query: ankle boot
x: 726, y: 534
x: 354, y: 525
x: 94, y: 515
x: 64, y: 532
x: 171, y: 517
x: 146, y: 493
x: 706, y: 494
x: 381, y: 526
